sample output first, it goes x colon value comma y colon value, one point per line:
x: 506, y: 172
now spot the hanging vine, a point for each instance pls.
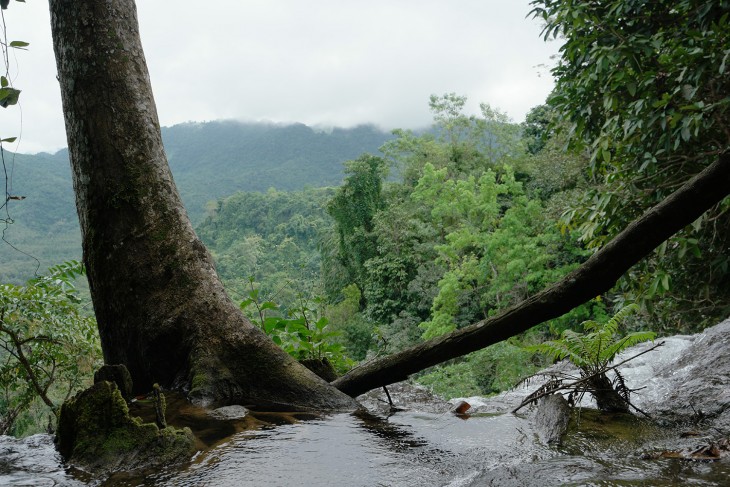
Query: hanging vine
x: 9, y: 96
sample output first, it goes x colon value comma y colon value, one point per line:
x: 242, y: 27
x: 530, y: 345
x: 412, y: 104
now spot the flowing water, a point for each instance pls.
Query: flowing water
x: 412, y: 448
x: 405, y: 449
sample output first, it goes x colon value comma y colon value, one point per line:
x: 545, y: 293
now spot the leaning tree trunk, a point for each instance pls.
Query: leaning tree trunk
x: 596, y: 276
x: 160, y: 306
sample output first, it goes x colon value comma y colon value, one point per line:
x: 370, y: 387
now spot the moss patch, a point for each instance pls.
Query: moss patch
x: 96, y: 433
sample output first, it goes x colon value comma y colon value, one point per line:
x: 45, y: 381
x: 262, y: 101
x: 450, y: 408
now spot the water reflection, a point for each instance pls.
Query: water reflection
x: 360, y: 449
x: 365, y: 449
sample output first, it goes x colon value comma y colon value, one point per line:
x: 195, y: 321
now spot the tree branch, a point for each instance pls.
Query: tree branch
x: 27, y: 367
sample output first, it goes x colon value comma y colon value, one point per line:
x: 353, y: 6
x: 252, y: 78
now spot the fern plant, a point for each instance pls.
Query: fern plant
x: 596, y: 348
x: 593, y: 352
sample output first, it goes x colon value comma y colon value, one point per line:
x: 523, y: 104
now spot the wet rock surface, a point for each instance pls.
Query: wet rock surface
x: 695, y: 388
x: 32, y: 461
x: 405, y: 397
x: 551, y: 419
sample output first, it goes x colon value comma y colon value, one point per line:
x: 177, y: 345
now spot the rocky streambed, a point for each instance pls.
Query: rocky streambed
x: 685, y: 388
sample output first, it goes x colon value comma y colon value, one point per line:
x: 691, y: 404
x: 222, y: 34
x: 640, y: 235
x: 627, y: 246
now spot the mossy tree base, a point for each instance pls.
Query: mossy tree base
x: 97, y: 434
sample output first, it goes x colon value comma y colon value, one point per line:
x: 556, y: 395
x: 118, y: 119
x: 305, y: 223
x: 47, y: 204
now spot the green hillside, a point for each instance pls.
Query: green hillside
x: 209, y: 161
x: 43, y: 227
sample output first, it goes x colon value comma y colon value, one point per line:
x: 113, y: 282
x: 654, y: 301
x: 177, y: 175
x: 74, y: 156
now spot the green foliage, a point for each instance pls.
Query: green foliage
x: 647, y: 79
x: 353, y: 208
x: 302, y: 331
x: 354, y: 331
x: 536, y: 128
x: 494, y: 258
x: 595, y: 349
x: 643, y: 88
x: 48, y: 344
x: 455, y: 380
x: 491, y: 370
x: 457, y: 236
x: 274, y: 236
x: 459, y: 143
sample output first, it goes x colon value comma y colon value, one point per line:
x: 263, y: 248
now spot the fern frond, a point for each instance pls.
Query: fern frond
x: 596, y: 348
x: 556, y: 350
x: 619, y: 385
x: 628, y: 341
x: 613, y: 324
x: 589, y: 325
x: 579, y: 346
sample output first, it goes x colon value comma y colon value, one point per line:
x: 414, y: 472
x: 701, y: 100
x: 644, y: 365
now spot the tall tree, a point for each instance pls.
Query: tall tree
x: 353, y: 209
x: 160, y: 306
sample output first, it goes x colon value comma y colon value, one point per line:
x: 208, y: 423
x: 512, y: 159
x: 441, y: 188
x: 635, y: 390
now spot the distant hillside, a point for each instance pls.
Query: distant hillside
x: 45, y: 222
x: 208, y: 160
x: 216, y: 159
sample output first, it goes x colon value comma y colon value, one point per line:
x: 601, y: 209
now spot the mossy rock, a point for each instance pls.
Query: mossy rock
x: 117, y: 374
x: 599, y: 431
x: 96, y: 433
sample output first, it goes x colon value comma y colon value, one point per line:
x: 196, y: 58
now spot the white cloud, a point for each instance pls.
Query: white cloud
x: 328, y: 62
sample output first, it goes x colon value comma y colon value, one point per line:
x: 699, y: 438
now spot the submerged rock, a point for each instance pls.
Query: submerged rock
x: 229, y: 412
x: 461, y: 408
x: 97, y: 434
x: 551, y: 419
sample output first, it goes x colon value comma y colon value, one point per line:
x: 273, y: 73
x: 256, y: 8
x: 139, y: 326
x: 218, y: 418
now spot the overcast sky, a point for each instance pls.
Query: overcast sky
x: 319, y: 62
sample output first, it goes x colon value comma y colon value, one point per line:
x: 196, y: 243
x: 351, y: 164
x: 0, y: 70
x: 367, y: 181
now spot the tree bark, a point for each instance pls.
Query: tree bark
x: 160, y: 306
x: 597, y: 275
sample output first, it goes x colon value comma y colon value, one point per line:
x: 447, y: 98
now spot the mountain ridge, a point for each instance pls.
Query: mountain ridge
x: 209, y: 161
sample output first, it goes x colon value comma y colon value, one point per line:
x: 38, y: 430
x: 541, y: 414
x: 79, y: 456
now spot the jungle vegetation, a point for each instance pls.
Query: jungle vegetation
x: 439, y: 234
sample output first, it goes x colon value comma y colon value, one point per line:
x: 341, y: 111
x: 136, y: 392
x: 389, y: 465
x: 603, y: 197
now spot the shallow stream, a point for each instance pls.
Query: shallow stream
x: 414, y: 448
x: 405, y: 449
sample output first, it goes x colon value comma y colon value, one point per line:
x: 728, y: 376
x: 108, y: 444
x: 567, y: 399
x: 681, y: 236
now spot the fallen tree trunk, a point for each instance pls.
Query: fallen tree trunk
x: 597, y: 275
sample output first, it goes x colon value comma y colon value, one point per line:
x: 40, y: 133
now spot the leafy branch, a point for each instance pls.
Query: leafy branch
x: 48, y: 344
x: 303, y: 332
